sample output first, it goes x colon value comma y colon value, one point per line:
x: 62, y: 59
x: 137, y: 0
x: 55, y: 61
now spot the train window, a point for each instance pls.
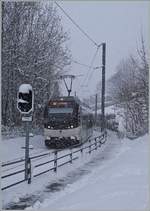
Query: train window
x: 60, y: 110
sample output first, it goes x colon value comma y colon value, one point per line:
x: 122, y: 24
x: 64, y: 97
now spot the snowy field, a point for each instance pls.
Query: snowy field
x: 113, y: 177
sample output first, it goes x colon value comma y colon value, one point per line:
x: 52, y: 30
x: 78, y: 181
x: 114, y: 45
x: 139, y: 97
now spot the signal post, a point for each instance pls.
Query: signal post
x: 25, y: 101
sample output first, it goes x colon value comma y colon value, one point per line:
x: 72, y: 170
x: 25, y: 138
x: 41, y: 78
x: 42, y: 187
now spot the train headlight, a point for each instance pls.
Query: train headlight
x: 68, y: 126
x: 49, y: 127
x: 71, y: 126
x: 48, y: 138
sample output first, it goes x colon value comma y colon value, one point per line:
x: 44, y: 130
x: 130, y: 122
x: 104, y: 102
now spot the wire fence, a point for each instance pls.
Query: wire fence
x: 48, y: 164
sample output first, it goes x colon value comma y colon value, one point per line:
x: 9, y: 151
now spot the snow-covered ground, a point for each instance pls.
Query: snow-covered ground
x: 14, y: 148
x: 120, y: 181
x: 113, y: 177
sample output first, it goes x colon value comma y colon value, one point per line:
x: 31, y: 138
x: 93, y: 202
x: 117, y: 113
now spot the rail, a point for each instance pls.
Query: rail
x: 53, y: 163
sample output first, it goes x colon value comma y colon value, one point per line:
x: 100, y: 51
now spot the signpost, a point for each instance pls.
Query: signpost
x: 25, y: 101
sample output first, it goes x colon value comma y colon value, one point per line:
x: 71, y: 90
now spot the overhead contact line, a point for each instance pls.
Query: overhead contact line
x: 77, y: 25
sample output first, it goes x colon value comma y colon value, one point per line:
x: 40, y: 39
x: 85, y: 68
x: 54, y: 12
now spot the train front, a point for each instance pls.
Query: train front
x: 62, y: 123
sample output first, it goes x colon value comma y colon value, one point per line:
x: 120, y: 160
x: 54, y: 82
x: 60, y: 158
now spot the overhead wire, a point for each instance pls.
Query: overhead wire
x: 89, y: 38
x: 76, y: 62
x: 77, y: 25
x: 90, y: 67
x: 90, y: 76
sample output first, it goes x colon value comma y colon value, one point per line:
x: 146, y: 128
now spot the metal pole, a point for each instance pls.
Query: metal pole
x: 95, y: 110
x: 103, y: 86
x: 55, y: 161
x: 49, y: 90
x: 26, y: 150
x: 70, y: 86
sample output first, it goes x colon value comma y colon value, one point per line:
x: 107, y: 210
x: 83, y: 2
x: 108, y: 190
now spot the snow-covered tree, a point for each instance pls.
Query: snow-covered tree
x: 33, y: 46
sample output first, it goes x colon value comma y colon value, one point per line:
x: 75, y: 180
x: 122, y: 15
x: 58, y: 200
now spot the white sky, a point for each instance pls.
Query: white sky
x: 118, y: 23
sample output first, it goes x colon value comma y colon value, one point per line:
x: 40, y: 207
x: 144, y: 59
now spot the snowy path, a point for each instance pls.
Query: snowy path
x: 119, y: 181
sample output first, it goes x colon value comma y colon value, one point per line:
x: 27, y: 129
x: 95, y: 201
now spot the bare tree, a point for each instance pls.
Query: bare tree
x: 129, y: 89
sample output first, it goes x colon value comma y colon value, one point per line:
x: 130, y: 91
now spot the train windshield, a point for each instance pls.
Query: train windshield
x: 60, y: 110
x: 61, y: 114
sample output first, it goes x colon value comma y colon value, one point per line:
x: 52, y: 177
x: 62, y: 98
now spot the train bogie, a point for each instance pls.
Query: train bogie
x: 63, y: 137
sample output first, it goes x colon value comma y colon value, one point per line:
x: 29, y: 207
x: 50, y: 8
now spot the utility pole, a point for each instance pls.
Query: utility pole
x: 95, y: 110
x: 103, y: 87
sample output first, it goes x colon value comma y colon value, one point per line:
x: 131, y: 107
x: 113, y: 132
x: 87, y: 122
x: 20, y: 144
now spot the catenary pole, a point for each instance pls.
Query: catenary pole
x: 103, y: 87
